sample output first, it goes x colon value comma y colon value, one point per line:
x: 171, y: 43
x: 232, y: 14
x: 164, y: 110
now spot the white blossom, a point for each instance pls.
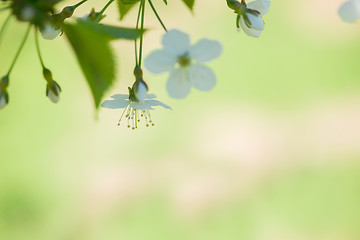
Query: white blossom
x: 185, y: 63
x: 3, y: 101
x: 141, y: 91
x: 134, y: 109
x: 53, y: 91
x: 49, y: 31
x: 250, y: 17
x: 350, y: 11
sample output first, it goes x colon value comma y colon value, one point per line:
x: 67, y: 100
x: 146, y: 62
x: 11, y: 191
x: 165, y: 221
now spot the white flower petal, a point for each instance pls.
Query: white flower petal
x: 256, y: 21
x: 53, y: 96
x: 178, y: 84
x: 140, y: 106
x: 150, y: 96
x: 350, y: 11
x: 160, y: 61
x: 141, y: 92
x: 153, y: 103
x: 2, y: 102
x: 249, y: 31
x: 28, y: 13
x: 49, y: 32
x: 115, y: 104
x: 176, y: 42
x: 260, y: 5
x: 120, y: 96
x: 205, y: 50
x: 202, y: 77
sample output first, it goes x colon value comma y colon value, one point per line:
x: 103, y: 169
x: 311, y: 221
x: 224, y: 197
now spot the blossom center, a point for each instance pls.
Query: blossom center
x: 184, y: 60
x: 134, y: 116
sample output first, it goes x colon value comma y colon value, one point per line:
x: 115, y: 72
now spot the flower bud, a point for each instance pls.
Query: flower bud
x: 140, y: 89
x: 234, y: 5
x: 28, y: 13
x: 49, y: 31
x: 47, y: 75
x: 67, y: 12
x: 4, y: 98
x: 53, y: 91
x: 4, y: 82
x: 253, y: 19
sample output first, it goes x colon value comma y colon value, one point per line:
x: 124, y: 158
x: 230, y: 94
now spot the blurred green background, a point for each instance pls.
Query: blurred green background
x: 272, y: 153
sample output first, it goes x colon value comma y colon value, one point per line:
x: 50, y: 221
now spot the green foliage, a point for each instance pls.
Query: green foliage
x: 90, y: 42
x: 95, y: 57
x: 165, y: 1
x: 128, y: 1
x: 112, y: 32
x: 125, y: 6
x: 189, y: 4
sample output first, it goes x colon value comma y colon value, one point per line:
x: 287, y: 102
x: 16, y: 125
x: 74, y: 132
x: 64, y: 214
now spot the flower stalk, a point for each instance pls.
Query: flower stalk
x: 19, y: 50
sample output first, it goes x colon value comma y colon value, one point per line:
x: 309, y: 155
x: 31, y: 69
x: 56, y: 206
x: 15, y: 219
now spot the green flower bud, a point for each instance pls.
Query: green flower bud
x: 53, y: 91
x: 47, y: 75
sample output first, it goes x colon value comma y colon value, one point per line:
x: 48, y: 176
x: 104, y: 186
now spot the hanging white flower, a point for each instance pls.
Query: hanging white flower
x: 3, y: 100
x: 250, y: 17
x: 134, y: 109
x: 53, y: 91
x: 350, y: 11
x: 184, y: 62
x: 49, y: 31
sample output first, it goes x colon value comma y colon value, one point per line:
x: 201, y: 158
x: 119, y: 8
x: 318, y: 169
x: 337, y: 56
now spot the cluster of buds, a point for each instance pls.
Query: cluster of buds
x: 41, y: 14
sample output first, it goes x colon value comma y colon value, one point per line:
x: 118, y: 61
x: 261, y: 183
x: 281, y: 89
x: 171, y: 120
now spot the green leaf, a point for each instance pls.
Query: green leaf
x: 125, y: 6
x: 165, y: 1
x: 111, y: 32
x: 95, y: 57
x: 129, y: 1
x: 189, y: 4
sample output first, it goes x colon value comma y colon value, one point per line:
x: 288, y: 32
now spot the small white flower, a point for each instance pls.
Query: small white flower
x: 49, y: 31
x: 350, y: 11
x: 53, y: 91
x: 134, y: 109
x: 184, y: 63
x: 3, y: 100
x: 250, y: 17
x: 28, y: 13
x: 4, y: 96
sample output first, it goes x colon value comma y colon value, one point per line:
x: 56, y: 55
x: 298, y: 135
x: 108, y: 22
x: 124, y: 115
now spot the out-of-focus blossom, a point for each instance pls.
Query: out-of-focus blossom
x: 184, y: 62
x: 350, y: 11
x: 49, y: 31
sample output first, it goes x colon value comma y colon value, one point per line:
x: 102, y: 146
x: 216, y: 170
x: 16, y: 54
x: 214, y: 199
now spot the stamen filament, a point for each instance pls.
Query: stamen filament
x: 122, y: 115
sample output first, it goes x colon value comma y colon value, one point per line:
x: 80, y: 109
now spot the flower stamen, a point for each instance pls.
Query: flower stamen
x: 123, y: 115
